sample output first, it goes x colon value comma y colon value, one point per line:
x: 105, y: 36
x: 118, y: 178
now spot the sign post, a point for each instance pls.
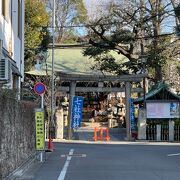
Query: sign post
x: 40, y: 89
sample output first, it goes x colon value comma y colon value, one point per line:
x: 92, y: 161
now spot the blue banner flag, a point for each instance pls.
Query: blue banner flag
x: 77, y: 108
x: 132, y: 118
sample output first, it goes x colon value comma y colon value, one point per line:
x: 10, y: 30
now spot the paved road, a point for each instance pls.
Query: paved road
x: 109, y: 162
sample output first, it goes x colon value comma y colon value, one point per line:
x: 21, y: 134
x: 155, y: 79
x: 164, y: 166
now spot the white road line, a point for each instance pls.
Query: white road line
x: 74, y: 155
x: 177, y: 154
x: 64, y: 170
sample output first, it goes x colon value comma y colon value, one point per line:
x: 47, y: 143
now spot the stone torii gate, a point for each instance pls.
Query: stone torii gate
x: 72, y: 89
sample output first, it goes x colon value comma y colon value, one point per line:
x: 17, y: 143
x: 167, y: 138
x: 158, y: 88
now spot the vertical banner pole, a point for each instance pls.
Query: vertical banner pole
x: 71, y: 95
x: 128, y: 96
x: 42, y: 101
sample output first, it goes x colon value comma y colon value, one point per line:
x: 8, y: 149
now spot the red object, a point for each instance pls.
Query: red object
x: 103, y: 134
x: 50, y: 144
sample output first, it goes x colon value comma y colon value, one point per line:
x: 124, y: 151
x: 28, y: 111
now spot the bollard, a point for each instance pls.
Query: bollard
x: 50, y: 144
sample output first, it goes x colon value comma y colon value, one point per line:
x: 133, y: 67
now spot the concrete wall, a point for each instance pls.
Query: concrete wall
x: 17, y: 133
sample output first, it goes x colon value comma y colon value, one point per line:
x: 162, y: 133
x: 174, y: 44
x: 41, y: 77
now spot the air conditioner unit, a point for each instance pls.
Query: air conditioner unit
x: 1, y: 45
x: 4, y: 70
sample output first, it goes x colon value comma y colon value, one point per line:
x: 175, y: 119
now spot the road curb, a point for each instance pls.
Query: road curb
x: 116, y: 142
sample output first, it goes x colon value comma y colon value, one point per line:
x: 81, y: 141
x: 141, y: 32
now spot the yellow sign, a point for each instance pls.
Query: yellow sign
x: 39, y: 118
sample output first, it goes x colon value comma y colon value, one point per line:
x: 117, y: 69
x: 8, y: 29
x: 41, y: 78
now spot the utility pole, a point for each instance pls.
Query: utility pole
x: 143, y: 59
x: 52, y: 75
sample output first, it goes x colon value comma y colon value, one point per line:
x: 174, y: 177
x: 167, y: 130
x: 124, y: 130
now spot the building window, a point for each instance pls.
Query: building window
x: 15, y: 82
x: 19, y: 19
x: 5, y: 9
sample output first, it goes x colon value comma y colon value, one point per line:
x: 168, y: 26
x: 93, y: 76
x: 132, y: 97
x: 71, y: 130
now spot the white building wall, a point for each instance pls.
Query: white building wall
x: 12, y: 43
x: 22, y: 41
x: 18, y: 42
x: 5, y: 29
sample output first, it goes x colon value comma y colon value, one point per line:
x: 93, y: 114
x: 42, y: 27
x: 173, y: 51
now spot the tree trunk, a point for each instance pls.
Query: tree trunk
x: 155, y: 5
x: 175, y: 4
x: 158, y: 73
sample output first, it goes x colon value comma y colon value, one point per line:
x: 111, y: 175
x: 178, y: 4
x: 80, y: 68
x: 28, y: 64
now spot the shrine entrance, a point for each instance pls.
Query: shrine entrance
x: 101, y: 108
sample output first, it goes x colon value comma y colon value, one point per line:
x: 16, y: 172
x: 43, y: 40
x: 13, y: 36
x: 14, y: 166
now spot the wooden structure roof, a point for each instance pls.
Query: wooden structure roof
x: 71, y: 61
x: 159, y: 91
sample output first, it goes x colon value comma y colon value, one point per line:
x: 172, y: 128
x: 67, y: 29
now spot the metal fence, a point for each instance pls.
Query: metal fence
x: 151, y: 132
x: 177, y: 132
x: 164, y: 132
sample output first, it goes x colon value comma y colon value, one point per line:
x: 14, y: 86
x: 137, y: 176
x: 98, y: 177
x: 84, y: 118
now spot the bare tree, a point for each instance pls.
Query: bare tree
x: 132, y: 29
x: 68, y: 14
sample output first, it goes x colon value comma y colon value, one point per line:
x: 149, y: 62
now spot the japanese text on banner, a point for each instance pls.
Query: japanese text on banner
x: 132, y: 118
x: 39, y: 118
x: 77, y: 108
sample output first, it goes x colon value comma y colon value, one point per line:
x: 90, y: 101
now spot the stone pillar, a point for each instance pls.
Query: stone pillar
x: 65, y: 106
x: 109, y: 123
x: 158, y: 132
x: 65, y: 119
x: 110, y: 115
x: 128, y: 96
x: 71, y: 95
x: 171, y: 130
x: 59, y: 121
x: 142, y: 124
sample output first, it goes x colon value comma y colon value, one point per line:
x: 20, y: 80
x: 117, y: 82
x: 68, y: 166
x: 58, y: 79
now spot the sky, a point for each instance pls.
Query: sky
x: 95, y: 2
x: 95, y: 6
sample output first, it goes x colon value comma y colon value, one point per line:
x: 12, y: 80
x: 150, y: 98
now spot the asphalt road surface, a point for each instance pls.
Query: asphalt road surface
x: 130, y: 161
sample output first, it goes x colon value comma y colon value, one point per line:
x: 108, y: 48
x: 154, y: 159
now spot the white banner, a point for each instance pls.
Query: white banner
x: 163, y: 110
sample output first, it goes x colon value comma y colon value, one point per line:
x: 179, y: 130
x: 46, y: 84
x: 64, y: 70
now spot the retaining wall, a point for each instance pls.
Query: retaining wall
x: 17, y: 133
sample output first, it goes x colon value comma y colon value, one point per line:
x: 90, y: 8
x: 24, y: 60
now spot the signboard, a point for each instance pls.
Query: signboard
x: 132, y: 118
x: 39, y: 88
x: 163, y: 110
x: 39, y: 120
x: 77, y: 107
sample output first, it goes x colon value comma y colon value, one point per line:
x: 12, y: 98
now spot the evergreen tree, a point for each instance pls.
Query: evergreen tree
x: 133, y: 29
x: 36, y: 33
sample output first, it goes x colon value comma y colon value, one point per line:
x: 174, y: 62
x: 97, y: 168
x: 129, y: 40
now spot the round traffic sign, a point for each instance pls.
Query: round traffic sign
x: 39, y: 88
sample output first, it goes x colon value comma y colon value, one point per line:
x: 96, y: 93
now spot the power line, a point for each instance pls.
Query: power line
x: 80, y: 26
x: 77, y: 26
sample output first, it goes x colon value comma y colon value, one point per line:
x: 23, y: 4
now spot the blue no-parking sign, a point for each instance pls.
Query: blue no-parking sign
x: 77, y: 107
x: 39, y: 88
